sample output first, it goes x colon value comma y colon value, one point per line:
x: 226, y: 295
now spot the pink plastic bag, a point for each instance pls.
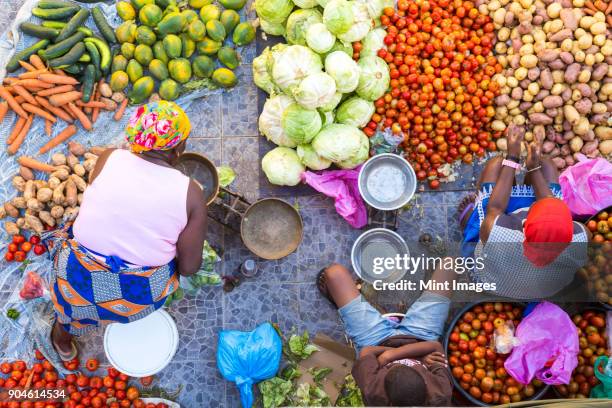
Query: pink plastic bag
x: 587, y: 186
x: 343, y: 186
x: 548, y: 348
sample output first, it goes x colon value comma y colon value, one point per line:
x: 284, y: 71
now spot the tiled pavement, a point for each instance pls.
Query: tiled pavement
x: 225, y: 129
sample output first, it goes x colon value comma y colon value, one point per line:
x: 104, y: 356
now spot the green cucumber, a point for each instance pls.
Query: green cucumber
x: 88, y: 80
x: 93, y: 52
x: 105, y: 52
x: 54, y: 4
x: 105, y: 29
x: 60, y: 24
x: 55, y: 14
x: 39, y: 31
x: 75, y: 22
x: 70, y: 57
x: 62, y: 47
x: 13, y: 64
x: 85, y: 57
x: 74, y: 69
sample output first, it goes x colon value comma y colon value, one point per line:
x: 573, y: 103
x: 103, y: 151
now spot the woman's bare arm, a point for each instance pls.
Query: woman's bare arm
x: 191, y: 240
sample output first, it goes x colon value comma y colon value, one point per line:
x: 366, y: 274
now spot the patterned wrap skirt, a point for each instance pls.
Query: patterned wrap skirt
x: 87, y: 292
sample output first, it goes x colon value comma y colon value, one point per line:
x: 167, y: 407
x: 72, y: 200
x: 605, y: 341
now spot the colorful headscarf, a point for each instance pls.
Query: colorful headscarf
x: 157, y: 126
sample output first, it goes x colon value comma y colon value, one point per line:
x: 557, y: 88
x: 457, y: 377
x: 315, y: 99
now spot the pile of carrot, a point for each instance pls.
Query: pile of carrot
x: 49, y: 94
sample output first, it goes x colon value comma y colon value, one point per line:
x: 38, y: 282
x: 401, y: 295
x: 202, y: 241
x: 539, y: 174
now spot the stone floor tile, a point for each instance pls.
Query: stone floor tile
x: 205, y: 117
x: 241, y: 155
x: 239, y: 107
x: 208, y: 147
x: 201, y: 381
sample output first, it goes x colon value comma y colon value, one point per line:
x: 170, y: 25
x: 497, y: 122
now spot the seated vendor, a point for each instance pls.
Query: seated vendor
x: 141, y: 221
x: 399, y: 364
x: 525, y: 233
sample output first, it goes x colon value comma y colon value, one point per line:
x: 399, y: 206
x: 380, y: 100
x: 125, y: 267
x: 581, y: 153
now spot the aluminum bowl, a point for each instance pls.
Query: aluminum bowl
x: 203, y: 171
x: 377, y: 242
x: 375, y: 173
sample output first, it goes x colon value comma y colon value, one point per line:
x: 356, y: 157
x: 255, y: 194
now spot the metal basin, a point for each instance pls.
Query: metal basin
x: 203, y: 171
x: 378, y: 243
x: 387, y: 182
x: 271, y: 228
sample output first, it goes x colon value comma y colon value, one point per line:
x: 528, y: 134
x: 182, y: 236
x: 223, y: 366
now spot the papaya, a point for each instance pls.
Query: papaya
x: 169, y: 90
x: 144, y: 35
x: 196, y: 30
x: 228, y: 57
x: 138, y: 4
x: 163, y: 4
x: 172, y: 45
x: 141, y: 90
x: 188, y: 46
x: 150, y: 15
x: 126, y: 32
x: 172, y: 23
x: 119, y: 63
x: 158, y: 69
x: 224, y: 77
x: 229, y: 19
x: 244, y: 34
x: 134, y: 70
x: 160, y: 53
x: 127, y: 50
x: 233, y: 4
x: 119, y: 80
x: 215, y: 30
x: 143, y: 54
x: 208, y: 46
x: 180, y: 70
x: 189, y: 16
x: 198, y: 4
x: 210, y: 12
x: 125, y: 10
x: 203, y: 66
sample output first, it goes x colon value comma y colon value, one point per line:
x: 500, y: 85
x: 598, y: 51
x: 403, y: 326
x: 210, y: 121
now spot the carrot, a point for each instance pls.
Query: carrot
x: 9, y: 80
x: 39, y: 112
x: 26, y: 66
x: 48, y: 127
x: 91, y: 104
x: 37, y: 62
x: 119, y: 113
x: 32, y: 74
x: 56, y: 90
x: 60, y: 138
x: 16, y: 129
x: 59, y: 112
x: 19, y: 99
x: 32, y: 83
x: 25, y: 94
x: 58, y: 79
x: 59, y: 72
x: 3, y: 109
x: 12, y: 149
x: 69, y: 112
x: 6, y: 95
x: 33, y: 164
x: 64, y: 98
x: 82, y: 117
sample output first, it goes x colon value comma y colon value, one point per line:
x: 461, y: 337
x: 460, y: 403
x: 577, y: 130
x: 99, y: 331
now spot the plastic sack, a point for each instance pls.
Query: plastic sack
x: 503, y: 338
x: 604, y: 374
x: 587, y: 186
x: 343, y: 186
x: 249, y: 357
x: 206, y: 275
x: 548, y: 348
x: 33, y: 286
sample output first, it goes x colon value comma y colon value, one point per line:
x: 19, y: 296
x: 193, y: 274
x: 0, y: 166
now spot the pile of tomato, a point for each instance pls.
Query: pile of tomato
x: 593, y: 342
x: 441, y: 90
x: 18, y: 249
x: 474, y: 363
x: 601, y: 227
x: 81, y: 390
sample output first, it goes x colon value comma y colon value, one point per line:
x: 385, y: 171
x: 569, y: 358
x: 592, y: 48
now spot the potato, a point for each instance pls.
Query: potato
x: 529, y: 61
x: 502, y: 144
x: 598, y: 28
x: 553, y: 10
x: 605, y: 147
x: 571, y: 114
x: 583, y: 106
x: 584, y: 76
x: 105, y: 90
x: 109, y: 104
x: 599, y: 72
x: 11, y: 228
x: 603, y: 132
x: 58, y: 159
x: 540, y: 119
x: 576, y: 144
x: 76, y: 149
x: 571, y: 73
x: 566, y: 57
x: 581, y: 127
x: 590, y: 147
x: 26, y: 173
x: 569, y: 19
x: 559, y: 162
x: 118, y: 97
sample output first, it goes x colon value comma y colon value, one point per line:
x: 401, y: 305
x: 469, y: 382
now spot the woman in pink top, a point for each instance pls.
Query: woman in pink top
x: 141, y: 224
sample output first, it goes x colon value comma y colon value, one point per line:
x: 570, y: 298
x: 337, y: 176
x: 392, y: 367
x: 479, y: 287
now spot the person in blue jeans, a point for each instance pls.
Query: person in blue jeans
x: 398, y: 364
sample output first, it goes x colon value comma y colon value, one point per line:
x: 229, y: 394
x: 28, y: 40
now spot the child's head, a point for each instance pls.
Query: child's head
x: 405, y: 386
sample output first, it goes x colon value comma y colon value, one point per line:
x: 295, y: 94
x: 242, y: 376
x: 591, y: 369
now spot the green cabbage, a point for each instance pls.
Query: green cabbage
x: 373, y: 79
x: 338, y: 16
x: 274, y: 11
x: 319, y: 38
x: 261, y: 73
x: 339, y: 46
x: 301, y: 125
x: 306, y: 4
x: 323, y: 3
x: 293, y: 64
x: 344, y: 70
x: 375, y: 7
x: 311, y: 159
x: 272, y: 28
x: 282, y: 166
x: 337, y: 142
x: 355, y: 112
x: 315, y: 90
x: 331, y: 105
x: 373, y: 42
x: 327, y: 117
x: 362, y: 25
x: 298, y: 23
x: 361, y: 156
x: 270, y: 120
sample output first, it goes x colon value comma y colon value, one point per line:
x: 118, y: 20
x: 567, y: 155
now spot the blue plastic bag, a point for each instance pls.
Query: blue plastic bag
x: 249, y: 357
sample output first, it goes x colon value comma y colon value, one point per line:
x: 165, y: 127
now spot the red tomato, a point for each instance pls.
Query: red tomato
x: 25, y: 247
x: 113, y: 372
x: 34, y: 239
x: 92, y: 364
x: 9, y: 257
x: 39, y: 249
x: 18, y: 239
x: 12, y: 247
x: 20, y: 256
x: 146, y: 381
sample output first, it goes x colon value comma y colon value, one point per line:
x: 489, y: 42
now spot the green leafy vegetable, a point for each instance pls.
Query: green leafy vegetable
x: 318, y: 374
x: 226, y: 175
x: 274, y: 391
x: 300, y: 347
x: 350, y: 395
x: 12, y: 314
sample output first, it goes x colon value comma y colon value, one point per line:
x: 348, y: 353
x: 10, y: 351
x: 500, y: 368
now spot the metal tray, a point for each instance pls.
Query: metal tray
x: 203, y: 171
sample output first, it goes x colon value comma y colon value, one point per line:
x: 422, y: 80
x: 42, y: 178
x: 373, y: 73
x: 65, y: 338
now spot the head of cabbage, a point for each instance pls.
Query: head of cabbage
x: 261, y: 72
x: 373, y: 42
x: 298, y: 23
x: 273, y: 28
x: 293, y: 64
x: 375, y: 7
x: 315, y: 90
x: 270, y: 120
x: 338, y: 16
x: 337, y: 142
x: 373, y: 78
x: 331, y: 105
x: 319, y: 38
x: 282, y: 166
x: 306, y: 4
x: 340, y: 46
x: 274, y: 11
x: 311, y: 159
x: 327, y: 117
x: 344, y: 70
x: 355, y: 112
x: 362, y: 24
x: 300, y: 125
x: 360, y: 157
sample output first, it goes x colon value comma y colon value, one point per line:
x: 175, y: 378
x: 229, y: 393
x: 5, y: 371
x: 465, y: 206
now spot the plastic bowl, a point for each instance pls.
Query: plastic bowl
x: 387, y: 182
